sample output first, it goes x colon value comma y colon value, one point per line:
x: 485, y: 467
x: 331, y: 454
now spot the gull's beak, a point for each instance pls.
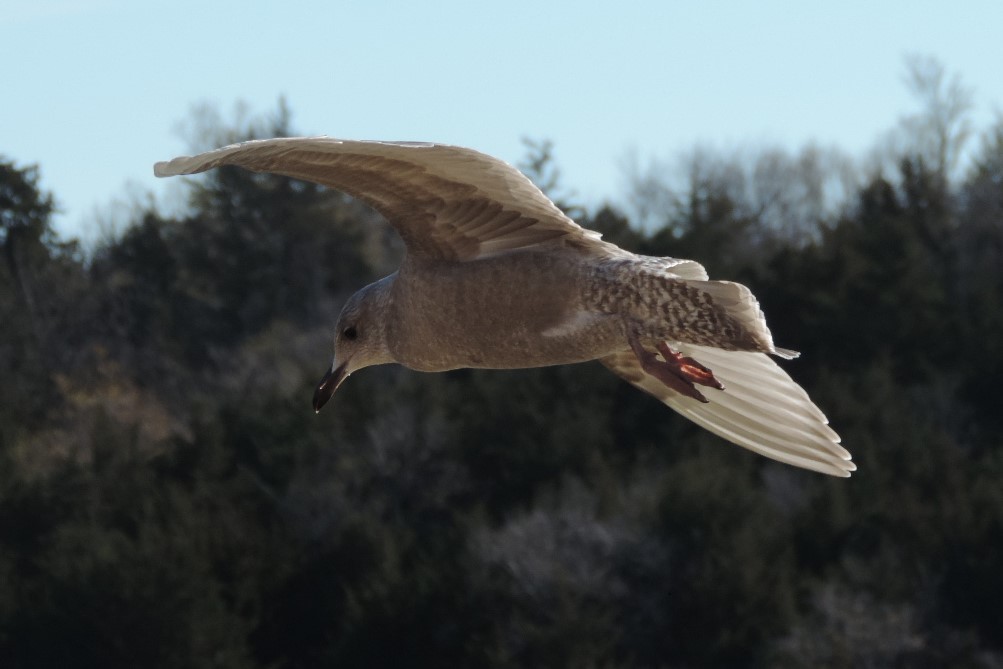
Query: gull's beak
x: 328, y: 385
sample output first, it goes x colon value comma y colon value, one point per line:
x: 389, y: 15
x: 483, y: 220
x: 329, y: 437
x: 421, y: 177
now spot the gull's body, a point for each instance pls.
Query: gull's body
x: 496, y: 276
x: 517, y: 328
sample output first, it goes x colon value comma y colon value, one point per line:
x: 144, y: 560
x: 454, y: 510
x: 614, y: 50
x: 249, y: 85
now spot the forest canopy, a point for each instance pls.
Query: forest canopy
x: 168, y: 498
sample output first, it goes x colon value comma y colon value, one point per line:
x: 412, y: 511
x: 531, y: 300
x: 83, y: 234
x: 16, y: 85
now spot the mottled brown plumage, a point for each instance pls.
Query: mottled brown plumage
x: 496, y: 276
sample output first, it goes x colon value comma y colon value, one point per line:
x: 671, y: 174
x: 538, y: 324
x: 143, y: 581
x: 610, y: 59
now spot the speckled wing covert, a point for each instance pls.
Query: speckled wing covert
x: 446, y: 202
x: 761, y: 407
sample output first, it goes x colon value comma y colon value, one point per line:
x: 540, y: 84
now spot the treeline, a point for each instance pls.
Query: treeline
x: 168, y: 499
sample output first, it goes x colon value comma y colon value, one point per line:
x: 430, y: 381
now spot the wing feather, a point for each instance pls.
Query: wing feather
x: 446, y: 202
x: 761, y: 408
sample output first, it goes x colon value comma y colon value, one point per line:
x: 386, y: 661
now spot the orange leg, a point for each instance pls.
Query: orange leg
x: 677, y: 372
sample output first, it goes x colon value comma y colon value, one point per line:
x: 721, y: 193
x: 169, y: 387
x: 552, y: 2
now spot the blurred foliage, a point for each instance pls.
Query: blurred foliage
x: 167, y: 498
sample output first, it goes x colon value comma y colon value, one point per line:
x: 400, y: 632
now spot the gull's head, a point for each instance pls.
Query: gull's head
x: 360, y: 338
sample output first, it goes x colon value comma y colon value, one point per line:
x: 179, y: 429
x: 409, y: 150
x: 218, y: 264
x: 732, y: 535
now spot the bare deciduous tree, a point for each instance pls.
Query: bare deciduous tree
x: 940, y: 129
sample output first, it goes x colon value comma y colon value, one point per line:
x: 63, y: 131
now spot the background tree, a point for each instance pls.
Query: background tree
x: 939, y: 131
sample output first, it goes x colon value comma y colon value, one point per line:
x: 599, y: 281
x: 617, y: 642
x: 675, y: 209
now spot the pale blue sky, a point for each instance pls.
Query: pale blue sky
x: 93, y: 90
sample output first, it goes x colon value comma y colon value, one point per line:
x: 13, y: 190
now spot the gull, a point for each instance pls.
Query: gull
x: 496, y: 276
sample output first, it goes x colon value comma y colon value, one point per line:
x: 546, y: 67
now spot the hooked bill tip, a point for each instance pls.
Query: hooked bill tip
x: 325, y: 389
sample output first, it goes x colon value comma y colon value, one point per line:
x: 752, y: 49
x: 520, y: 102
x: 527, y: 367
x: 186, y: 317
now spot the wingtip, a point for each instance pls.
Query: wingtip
x: 845, y: 471
x: 162, y: 169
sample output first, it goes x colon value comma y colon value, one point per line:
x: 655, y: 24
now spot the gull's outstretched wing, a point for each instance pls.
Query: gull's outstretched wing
x: 446, y: 202
x: 760, y: 408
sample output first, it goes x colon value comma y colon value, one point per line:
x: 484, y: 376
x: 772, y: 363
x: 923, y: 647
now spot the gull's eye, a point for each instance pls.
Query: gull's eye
x: 350, y: 333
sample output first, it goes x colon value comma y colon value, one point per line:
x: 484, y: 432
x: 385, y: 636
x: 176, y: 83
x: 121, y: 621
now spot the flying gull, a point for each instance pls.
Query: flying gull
x: 496, y: 276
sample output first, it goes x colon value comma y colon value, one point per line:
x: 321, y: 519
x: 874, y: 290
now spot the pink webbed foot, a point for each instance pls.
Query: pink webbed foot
x: 676, y: 371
